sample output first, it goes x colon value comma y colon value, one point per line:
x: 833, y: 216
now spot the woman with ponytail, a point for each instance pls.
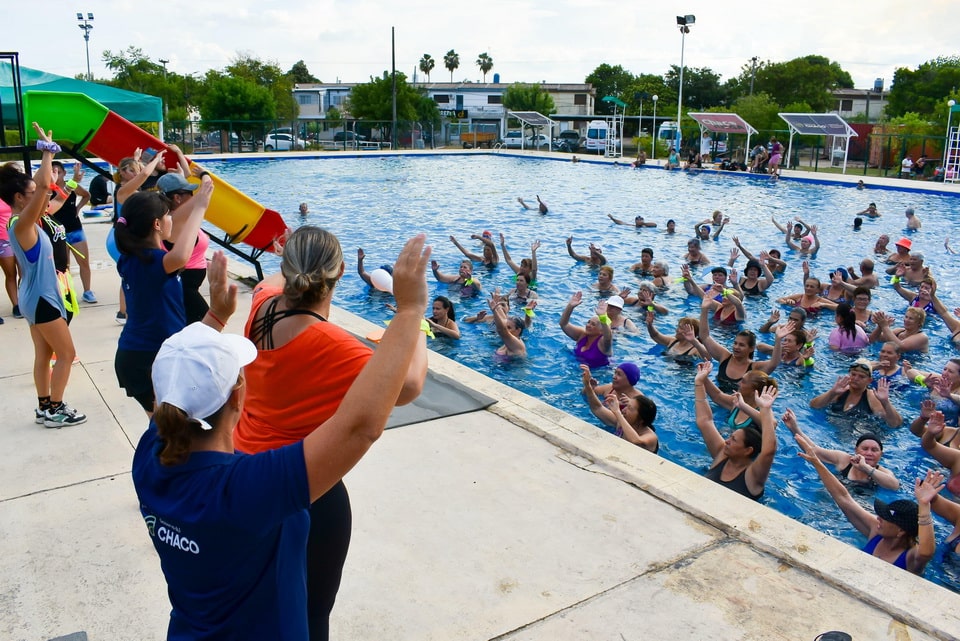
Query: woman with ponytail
x: 231, y: 529
x: 45, y: 299
x: 304, y: 366
x: 151, y: 285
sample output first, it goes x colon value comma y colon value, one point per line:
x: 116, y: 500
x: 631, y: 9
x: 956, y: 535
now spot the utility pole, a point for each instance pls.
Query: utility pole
x: 753, y: 73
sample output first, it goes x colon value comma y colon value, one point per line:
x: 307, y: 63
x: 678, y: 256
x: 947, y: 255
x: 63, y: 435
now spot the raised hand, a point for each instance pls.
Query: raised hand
x: 686, y: 330
x: 575, y: 299
x: 927, y: 488
x: 767, y: 396
x: 927, y: 408
x: 601, y: 308
x: 734, y: 254
x: 883, y: 389
x: 361, y: 256
x: 409, y: 284
x: 936, y: 423
x: 703, y: 371
x: 785, y: 329
x: 790, y: 420
x: 534, y: 246
x: 841, y: 385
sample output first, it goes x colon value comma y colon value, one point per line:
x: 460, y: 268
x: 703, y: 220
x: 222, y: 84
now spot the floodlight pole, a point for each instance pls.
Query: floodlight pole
x: 683, y: 22
x: 653, y: 142
x: 84, y: 23
x: 753, y: 72
x: 946, y: 145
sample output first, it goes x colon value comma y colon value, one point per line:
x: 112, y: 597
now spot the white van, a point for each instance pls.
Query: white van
x: 596, y: 138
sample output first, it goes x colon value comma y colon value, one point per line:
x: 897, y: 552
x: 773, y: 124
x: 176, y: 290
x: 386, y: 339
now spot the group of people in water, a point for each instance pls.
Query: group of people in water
x: 732, y: 380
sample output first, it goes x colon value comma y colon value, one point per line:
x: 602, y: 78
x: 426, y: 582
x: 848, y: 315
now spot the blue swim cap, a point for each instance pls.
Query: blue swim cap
x: 630, y: 370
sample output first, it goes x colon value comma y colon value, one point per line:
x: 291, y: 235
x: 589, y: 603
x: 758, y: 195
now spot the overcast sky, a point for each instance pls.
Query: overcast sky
x: 529, y: 40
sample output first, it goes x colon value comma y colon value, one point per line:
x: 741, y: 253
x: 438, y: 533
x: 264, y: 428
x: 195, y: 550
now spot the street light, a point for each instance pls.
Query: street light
x: 653, y: 142
x: 946, y: 146
x: 84, y: 23
x: 683, y: 22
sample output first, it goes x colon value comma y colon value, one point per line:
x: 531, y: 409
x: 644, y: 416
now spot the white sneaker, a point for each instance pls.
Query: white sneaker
x: 66, y: 415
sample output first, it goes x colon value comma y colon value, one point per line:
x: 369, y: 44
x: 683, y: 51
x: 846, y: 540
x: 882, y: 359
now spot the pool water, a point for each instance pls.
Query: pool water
x: 377, y: 202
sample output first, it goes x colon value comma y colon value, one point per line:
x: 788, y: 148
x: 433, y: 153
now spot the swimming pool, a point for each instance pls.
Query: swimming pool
x: 377, y: 202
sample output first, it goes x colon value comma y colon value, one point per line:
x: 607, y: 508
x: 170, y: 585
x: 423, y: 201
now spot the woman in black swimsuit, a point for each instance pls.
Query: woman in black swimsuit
x: 860, y: 468
x: 738, y: 360
x: 683, y: 345
x: 741, y: 462
x: 851, y: 394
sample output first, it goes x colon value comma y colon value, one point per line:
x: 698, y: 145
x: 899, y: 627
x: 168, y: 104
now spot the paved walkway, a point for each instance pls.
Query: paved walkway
x: 517, y: 522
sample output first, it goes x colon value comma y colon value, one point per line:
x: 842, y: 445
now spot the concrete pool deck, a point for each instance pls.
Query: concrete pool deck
x: 515, y: 522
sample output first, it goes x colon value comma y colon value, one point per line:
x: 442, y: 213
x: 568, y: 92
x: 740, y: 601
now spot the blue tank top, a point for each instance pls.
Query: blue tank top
x: 871, y: 545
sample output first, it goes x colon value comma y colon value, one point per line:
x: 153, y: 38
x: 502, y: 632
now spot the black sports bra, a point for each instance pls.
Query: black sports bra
x: 261, y: 329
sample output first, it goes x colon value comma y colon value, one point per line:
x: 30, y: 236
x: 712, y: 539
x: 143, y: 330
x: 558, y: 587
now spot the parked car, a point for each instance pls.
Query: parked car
x: 513, y: 139
x: 537, y: 141
x: 569, y: 140
x: 282, y: 142
x: 348, y: 136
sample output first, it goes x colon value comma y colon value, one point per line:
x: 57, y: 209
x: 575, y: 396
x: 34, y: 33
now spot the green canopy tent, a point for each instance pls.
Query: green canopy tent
x: 135, y: 107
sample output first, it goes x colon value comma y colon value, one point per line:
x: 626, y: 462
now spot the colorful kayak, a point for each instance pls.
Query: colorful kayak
x: 88, y: 126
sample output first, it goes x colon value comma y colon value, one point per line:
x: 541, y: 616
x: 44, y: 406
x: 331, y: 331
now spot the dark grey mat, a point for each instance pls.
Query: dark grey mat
x: 442, y: 396
x: 76, y: 636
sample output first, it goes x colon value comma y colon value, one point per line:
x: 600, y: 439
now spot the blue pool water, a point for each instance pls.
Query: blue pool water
x: 378, y: 202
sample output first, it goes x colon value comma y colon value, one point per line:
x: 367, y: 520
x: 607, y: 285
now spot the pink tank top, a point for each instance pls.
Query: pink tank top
x: 4, y: 220
x: 198, y: 259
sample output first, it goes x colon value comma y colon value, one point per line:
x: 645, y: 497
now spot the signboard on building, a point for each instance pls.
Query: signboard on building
x: 454, y: 113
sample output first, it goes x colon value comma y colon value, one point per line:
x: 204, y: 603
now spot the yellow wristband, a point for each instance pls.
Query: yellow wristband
x: 808, y: 362
x: 894, y: 280
x: 528, y: 311
x: 604, y: 319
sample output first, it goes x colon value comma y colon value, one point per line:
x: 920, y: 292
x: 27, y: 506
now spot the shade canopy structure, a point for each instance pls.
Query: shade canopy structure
x: 828, y: 124
x: 725, y: 123
x: 536, y: 120
x: 135, y: 107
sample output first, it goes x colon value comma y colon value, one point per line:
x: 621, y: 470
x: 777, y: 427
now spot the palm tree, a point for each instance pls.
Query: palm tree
x: 451, y: 61
x: 485, y: 63
x: 427, y: 63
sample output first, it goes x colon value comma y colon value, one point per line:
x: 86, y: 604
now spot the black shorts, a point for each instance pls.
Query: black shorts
x: 47, y: 313
x: 133, y: 373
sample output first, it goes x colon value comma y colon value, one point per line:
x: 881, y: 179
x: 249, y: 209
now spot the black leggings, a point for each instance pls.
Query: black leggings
x: 193, y: 302
x: 331, y: 522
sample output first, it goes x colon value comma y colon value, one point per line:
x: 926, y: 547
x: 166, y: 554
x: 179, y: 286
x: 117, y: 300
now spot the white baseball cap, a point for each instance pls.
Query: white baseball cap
x: 196, y: 369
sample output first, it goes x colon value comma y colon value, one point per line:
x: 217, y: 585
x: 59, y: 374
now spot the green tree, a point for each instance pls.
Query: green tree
x: 451, y: 61
x: 701, y: 87
x: 299, y: 74
x: 134, y: 71
x: 233, y: 98
x: 427, y: 63
x: 925, y: 90
x: 523, y: 97
x: 609, y: 81
x: 374, y: 100
x: 428, y: 113
x: 485, y: 62
x: 760, y: 111
x: 810, y: 80
x: 271, y: 77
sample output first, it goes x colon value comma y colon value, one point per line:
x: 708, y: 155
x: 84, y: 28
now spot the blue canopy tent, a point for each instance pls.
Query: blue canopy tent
x: 135, y: 107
